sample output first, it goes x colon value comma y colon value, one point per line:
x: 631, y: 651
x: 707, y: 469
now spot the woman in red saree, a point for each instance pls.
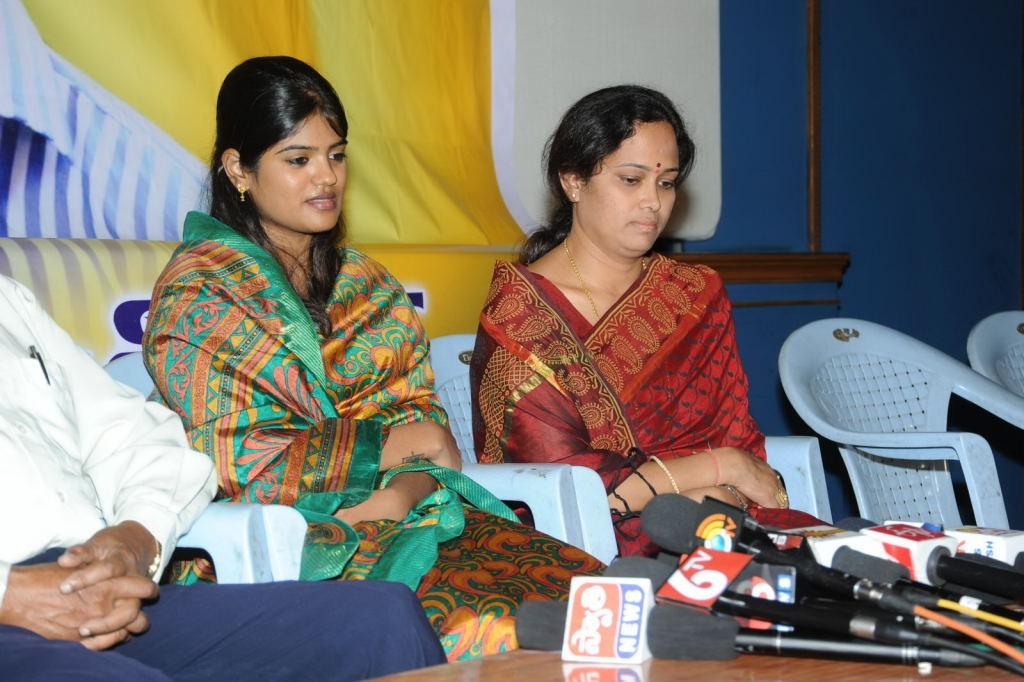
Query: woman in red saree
x: 592, y: 351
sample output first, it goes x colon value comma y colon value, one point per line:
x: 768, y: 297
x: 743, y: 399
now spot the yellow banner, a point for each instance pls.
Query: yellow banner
x: 414, y: 76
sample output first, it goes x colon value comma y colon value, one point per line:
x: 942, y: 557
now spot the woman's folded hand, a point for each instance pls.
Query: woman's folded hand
x: 751, y: 476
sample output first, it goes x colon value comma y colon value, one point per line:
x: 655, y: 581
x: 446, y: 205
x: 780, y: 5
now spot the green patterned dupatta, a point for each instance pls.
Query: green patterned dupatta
x: 401, y: 551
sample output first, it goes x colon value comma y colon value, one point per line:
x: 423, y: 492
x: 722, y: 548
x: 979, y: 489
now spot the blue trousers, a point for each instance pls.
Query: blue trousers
x: 273, y: 631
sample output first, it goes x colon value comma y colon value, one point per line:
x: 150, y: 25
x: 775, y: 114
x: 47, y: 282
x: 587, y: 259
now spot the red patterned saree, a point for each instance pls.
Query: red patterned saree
x: 659, y: 374
x: 291, y: 417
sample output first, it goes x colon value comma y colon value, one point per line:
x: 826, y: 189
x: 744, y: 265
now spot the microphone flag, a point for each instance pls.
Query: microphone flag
x: 607, y: 620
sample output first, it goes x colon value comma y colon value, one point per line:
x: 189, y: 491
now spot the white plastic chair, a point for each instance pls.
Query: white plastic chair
x: 883, y: 398
x: 248, y: 543
x: 995, y: 349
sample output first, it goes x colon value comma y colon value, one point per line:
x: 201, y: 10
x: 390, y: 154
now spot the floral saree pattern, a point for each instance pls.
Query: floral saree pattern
x: 291, y: 417
x: 658, y: 374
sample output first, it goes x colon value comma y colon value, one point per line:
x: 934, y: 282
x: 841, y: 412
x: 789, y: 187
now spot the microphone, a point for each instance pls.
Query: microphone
x: 541, y: 624
x: 678, y: 524
x: 1003, y: 545
x: 681, y: 633
x: 705, y: 579
x: 1006, y: 546
x: 928, y: 555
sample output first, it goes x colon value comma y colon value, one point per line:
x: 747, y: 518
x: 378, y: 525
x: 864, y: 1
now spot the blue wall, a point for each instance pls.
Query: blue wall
x: 920, y: 178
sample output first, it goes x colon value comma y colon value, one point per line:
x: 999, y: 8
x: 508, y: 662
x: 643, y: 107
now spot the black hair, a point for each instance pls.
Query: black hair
x: 261, y: 102
x: 590, y: 130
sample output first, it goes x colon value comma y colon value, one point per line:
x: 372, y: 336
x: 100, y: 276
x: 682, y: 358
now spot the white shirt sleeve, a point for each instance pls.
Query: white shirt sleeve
x: 82, y: 425
x: 5, y: 570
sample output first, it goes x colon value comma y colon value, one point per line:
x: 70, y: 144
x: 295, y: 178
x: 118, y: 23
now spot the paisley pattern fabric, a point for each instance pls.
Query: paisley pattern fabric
x: 658, y: 374
x: 291, y: 417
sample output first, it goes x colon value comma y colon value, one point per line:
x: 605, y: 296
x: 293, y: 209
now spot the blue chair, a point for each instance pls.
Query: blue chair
x: 883, y: 398
x: 995, y: 349
x: 248, y: 543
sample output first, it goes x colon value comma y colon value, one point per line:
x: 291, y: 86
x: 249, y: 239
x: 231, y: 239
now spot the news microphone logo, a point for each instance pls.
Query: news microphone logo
x: 702, y: 576
x: 718, y: 532
x: 995, y: 543
x: 914, y: 547
x: 607, y: 621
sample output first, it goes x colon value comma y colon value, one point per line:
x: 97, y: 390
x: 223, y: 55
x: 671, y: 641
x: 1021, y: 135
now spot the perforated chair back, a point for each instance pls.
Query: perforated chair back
x: 995, y: 349
x: 450, y: 357
x: 131, y: 370
x: 883, y: 398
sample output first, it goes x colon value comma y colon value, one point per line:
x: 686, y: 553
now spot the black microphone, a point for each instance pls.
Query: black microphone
x: 986, y: 578
x: 877, y: 570
x: 678, y: 524
x: 541, y: 624
x: 849, y: 620
x: 680, y: 633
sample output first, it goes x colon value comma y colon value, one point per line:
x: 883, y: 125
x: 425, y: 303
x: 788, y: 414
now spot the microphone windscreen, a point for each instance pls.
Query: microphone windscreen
x: 541, y: 624
x: 683, y: 634
x: 670, y: 521
x: 854, y: 523
x: 641, y: 567
x: 983, y: 560
x: 864, y: 565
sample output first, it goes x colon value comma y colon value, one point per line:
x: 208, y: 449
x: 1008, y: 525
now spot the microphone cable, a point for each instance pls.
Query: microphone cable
x: 992, y: 618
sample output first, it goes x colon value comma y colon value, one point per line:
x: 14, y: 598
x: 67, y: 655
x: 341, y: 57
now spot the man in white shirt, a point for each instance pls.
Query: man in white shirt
x: 99, y: 485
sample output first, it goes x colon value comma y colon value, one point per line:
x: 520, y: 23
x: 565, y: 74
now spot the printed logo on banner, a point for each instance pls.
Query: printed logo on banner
x: 606, y: 620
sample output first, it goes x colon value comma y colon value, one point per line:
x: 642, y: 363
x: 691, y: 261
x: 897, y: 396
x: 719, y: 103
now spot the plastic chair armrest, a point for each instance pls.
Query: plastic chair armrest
x: 249, y: 543
x: 798, y: 459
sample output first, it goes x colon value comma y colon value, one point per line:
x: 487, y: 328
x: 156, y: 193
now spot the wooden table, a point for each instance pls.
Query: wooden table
x: 541, y: 666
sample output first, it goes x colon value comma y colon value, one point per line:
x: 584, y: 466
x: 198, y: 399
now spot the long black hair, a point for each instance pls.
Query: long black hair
x: 261, y: 102
x: 590, y: 130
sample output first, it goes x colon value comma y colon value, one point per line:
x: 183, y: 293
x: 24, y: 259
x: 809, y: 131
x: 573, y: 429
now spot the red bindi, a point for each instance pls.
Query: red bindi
x: 657, y: 166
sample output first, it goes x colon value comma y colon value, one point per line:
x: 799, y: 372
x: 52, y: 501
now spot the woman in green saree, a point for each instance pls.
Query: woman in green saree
x: 299, y: 365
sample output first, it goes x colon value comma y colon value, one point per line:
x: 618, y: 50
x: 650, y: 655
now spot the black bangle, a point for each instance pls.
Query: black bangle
x: 646, y: 482
x: 628, y: 509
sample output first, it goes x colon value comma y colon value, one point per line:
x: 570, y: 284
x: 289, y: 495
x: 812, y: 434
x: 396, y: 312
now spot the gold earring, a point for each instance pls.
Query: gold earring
x: 241, y: 192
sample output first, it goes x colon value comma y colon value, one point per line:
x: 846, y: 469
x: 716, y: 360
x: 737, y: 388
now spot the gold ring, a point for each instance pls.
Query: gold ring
x: 782, y: 497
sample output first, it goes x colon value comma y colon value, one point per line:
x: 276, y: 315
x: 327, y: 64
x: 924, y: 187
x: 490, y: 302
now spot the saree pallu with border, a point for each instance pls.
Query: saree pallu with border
x: 291, y: 417
x: 658, y: 374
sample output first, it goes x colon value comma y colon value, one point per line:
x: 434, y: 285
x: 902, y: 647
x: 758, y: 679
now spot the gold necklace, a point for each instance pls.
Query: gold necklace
x: 576, y: 271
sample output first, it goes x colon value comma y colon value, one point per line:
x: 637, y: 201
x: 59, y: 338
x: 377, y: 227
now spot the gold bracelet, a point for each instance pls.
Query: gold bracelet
x: 668, y: 473
x: 743, y: 502
x: 154, y: 564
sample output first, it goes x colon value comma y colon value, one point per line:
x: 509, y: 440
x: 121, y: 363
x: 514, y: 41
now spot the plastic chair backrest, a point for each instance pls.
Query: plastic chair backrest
x: 450, y: 356
x: 131, y: 370
x: 995, y: 349
x: 883, y: 398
